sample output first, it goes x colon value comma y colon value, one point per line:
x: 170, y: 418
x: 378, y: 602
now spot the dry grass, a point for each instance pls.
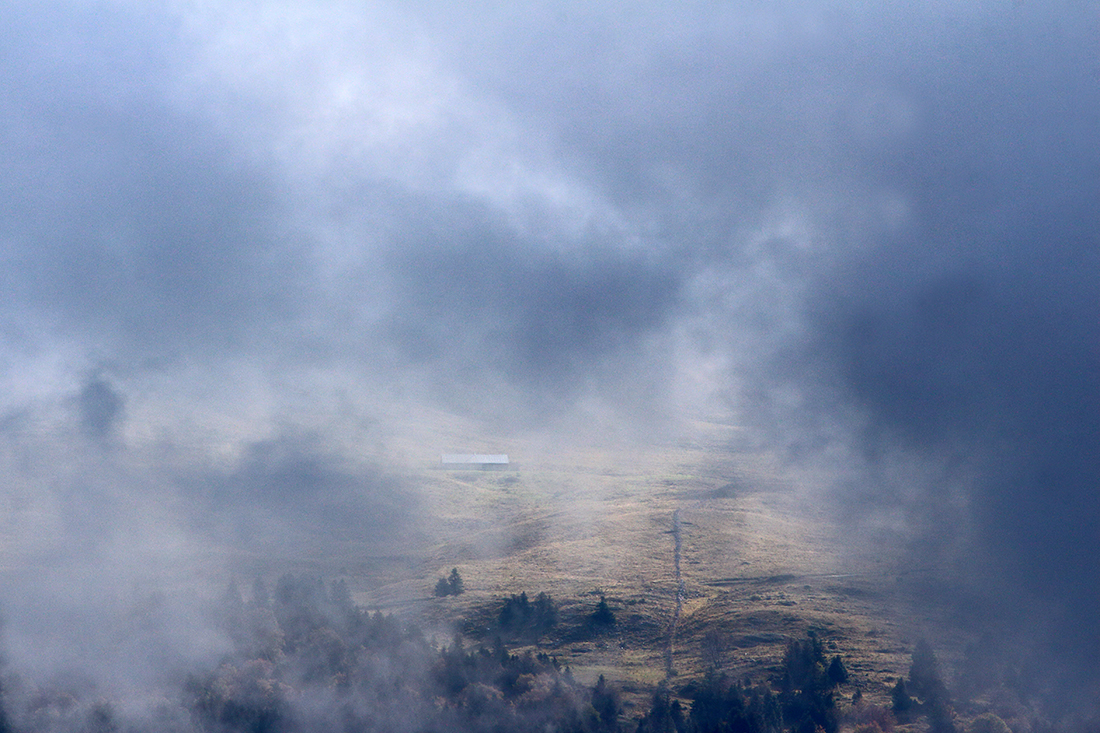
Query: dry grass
x: 759, y: 567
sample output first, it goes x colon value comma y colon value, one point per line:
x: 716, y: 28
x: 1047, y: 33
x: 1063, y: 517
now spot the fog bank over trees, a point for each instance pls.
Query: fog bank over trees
x: 253, y: 251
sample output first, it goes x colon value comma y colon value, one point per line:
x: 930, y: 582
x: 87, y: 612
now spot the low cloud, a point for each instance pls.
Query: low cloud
x: 238, y: 239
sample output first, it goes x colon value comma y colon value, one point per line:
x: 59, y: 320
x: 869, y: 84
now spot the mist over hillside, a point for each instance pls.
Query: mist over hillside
x: 261, y: 260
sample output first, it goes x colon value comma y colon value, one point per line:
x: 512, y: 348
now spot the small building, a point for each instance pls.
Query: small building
x: 483, y: 461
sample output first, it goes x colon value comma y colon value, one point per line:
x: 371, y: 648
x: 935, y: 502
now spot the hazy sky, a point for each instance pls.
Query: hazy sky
x: 234, y: 235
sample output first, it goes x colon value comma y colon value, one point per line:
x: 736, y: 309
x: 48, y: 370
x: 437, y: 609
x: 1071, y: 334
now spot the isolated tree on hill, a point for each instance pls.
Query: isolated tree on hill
x: 451, y: 585
x: 605, y: 701
x: 603, y: 616
x: 838, y: 673
x: 924, y: 675
x: 455, y: 581
x: 926, y: 682
x: 900, y: 699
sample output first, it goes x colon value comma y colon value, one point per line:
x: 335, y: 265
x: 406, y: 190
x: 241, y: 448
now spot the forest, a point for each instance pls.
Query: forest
x: 307, y: 658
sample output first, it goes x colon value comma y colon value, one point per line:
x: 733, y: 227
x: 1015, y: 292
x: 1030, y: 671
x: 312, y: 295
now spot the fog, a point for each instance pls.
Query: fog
x: 243, y: 242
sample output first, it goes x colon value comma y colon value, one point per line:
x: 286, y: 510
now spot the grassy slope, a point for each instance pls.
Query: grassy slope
x: 758, y: 567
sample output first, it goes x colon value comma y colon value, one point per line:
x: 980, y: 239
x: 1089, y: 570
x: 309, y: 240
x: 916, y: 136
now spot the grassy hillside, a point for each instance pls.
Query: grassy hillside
x: 760, y: 564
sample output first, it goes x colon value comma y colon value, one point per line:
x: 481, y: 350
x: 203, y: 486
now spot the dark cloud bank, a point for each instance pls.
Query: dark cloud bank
x: 969, y: 338
x: 230, y: 233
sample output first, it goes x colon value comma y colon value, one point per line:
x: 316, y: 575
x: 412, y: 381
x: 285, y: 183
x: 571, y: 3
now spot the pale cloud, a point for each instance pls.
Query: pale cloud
x: 237, y: 238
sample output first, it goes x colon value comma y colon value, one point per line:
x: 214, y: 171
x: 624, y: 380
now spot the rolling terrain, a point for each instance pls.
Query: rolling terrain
x: 761, y: 564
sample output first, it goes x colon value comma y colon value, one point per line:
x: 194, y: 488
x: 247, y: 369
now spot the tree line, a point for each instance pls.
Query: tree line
x: 306, y: 658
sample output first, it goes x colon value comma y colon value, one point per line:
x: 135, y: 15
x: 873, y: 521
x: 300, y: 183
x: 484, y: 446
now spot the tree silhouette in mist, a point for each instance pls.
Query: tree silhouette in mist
x: 452, y: 585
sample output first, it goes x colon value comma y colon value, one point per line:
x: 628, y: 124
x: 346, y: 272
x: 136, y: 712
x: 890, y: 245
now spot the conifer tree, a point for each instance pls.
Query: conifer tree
x: 455, y: 582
